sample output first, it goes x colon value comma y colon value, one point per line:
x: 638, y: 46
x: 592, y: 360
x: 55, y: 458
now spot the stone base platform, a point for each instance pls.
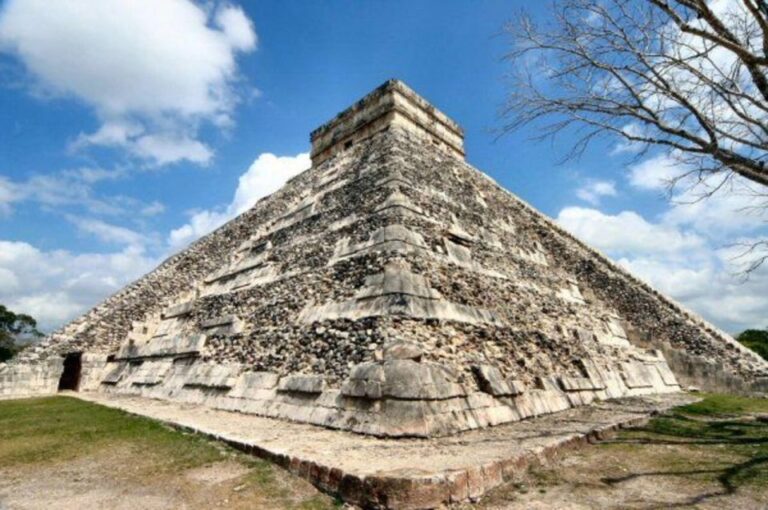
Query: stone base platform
x: 401, y: 473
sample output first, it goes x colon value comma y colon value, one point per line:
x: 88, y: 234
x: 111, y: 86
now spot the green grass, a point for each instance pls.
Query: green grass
x: 705, y: 452
x: 40, y: 432
x: 714, y: 405
x: 716, y: 438
x: 60, y: 428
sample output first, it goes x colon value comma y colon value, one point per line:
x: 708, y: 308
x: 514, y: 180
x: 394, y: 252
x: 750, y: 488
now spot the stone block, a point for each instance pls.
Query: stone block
x: 362, y: 389
x: 226, y: 325
x: 516, y: 386
x: 491, y: 381
x: 635, y: 375
x: 179, y: 310
x: 666, y: 374
x: 577, y: 384
x: 150, y: 373
x: 492, y: 475
x: 458, y: 486
x: 398, y: 201
x: 254, y: 384
x: 213, y: 376
x: 368, y: 372
x: 407, y: 379
x: 457, y: 253
x: 403, y: 350
x: 477, y: 400
x: 302, y: 384
x: 404, y: 418
x: 475, y: 486
x: 115, y: 373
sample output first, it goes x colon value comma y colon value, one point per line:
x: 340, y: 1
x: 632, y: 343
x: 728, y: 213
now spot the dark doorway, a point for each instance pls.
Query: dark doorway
x: 70, y: 377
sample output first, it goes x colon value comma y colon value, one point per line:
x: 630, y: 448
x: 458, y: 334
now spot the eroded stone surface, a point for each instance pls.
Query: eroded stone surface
x: 391, y: 239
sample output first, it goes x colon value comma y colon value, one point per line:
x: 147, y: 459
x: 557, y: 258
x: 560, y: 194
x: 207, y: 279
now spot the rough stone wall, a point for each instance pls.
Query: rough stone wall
x: 22, y: 379
x: 523, y: 295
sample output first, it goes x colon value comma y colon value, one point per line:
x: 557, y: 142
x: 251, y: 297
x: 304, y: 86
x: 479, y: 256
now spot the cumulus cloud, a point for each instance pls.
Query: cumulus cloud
x: 152, y: 70
x: 695, y: 249
x: 625, y: 146
x: 654, y: 173
x: 709, y: 288
x: 679, y: 261
x: 593, y: 191
x: 237, y: 28
x: 626, y: 232
x: 715, y: 205
x: 266, y: 175
x: 56, y: 286
x: 726, y: 213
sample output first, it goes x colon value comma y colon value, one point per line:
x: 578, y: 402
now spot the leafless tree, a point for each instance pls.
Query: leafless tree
x: 688, y: 76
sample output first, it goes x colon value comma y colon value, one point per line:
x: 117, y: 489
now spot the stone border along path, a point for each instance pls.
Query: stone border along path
x: 401, y: 473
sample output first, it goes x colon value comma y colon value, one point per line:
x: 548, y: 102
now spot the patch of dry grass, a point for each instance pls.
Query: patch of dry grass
x: 711, y: 454
x: 51, y: 445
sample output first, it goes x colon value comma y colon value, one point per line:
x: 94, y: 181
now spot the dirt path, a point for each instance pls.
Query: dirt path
x: 60, y: 453
x: 119, y: 480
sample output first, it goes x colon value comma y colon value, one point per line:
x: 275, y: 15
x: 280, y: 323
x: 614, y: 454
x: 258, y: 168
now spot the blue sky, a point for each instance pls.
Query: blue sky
x: 130, y: 128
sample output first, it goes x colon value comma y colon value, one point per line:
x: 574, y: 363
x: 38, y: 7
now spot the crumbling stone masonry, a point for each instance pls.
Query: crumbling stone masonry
x: 393, y: 290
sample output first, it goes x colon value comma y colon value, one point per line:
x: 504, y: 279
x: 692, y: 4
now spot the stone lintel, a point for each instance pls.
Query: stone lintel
x: 393, y: 103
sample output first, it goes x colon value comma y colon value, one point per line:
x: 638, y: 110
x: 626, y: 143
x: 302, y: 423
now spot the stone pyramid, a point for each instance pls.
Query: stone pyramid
x: 392, y: 290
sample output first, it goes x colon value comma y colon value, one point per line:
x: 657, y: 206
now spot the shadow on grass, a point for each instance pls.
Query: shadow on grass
x: 703, y: 429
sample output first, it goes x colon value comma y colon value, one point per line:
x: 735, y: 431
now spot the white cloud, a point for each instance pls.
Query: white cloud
x: 710, y: 289
x: 679, y: 261
x: 237, y: 28
x: 594, y: 190
x: 733, y: 209
x: 169, y: 148
x: 56, y: 286
x: 655, y: 173
x: 106, y: 232
x: 626, y: 232
x: 267, y: 174
x: 153, y: 209
x: 73, y: 188
x: 714, y: 205
x: 9, y: 194
x: 200, y: 223
x: 627, y: 146
x: 153, y: 70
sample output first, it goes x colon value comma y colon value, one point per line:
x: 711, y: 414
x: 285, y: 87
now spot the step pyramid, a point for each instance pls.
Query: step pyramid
x: 391, y: 289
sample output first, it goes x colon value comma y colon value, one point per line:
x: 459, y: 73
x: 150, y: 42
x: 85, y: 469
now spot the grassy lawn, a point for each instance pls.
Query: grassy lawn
x: 61, y: 452
x: 711, y: 454
x: 57, y: 443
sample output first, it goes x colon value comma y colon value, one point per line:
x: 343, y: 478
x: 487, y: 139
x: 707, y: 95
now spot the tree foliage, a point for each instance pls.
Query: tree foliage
x: 13, y: 328
x: 755, y: 339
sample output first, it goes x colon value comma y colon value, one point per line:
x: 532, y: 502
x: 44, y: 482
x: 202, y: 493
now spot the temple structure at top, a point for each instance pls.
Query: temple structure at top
x: 392, y: 104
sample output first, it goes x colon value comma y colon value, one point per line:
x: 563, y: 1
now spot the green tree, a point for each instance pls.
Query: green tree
x: 13, y: 328
x: 755, y: 339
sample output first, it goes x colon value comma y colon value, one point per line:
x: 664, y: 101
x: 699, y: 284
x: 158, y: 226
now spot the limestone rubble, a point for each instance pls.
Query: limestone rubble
x: 392, y: 289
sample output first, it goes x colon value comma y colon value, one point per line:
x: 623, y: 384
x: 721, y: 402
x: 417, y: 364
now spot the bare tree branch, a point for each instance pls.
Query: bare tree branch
x: 676, y: 74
